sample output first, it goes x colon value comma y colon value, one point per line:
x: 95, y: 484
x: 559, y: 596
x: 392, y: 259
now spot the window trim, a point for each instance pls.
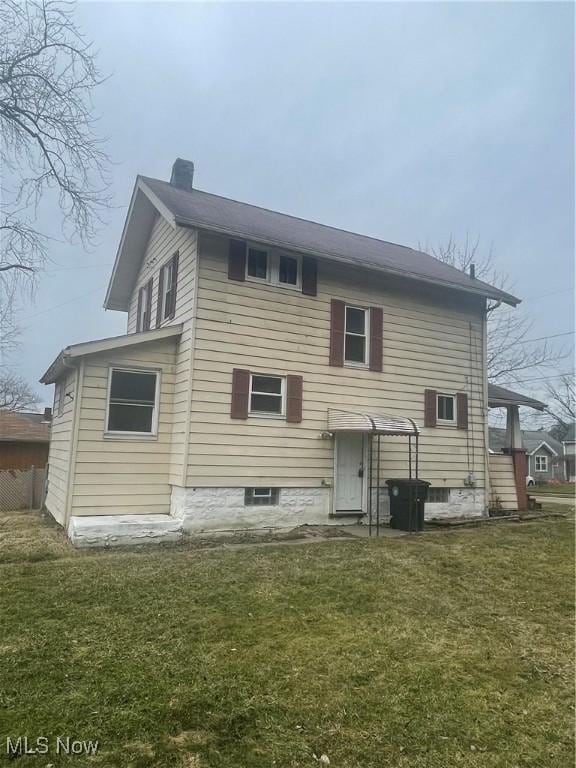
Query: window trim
x: 61, y: 394
x: 536, y: 462
x: 268, y: 414
x: 445, y: 491
x: 446, y: 422
x: 365, y: 335
x: 128, y: 434
x: 250, y: 495
x: 273, y: 267
x: 166, y: 269
x: 144, y: 302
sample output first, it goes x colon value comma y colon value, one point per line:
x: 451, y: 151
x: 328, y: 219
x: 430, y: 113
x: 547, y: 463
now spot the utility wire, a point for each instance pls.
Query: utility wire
x: 543, y: 338
x: 62, y: 304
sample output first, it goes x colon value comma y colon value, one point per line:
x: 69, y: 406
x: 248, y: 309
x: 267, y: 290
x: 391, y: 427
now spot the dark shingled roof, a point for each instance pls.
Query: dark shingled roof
x: 221, y: 214
x: 531, y: 439
x: 502, y: 396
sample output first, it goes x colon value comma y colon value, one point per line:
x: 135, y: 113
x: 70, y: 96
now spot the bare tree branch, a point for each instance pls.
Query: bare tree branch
x: 16, y: 394
x: 509, y: 350
x: 47, y: 140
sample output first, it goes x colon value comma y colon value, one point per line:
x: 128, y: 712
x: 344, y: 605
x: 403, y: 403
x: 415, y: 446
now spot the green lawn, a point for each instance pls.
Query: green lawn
x: 442, y: 650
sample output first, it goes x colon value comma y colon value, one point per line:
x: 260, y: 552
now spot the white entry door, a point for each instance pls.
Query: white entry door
x: 349, y: 471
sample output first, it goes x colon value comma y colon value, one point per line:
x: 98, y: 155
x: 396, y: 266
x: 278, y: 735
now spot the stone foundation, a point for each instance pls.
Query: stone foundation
x: 222, y: 509
x: 463, y: 502
x: 123, y: 530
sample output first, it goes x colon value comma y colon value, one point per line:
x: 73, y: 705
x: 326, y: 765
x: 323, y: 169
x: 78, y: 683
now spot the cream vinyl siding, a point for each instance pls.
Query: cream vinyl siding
x: 430, y: 340
x: 61, y: 433
x: 163, y: 243
x: 123, y: 475
x: 502, y: 482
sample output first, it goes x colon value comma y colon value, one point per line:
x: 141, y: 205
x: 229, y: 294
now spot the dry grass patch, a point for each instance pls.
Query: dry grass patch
x: 448, y: 649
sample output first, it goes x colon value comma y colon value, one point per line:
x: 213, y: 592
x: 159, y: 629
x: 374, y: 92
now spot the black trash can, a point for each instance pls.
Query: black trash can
x: 407, y: 501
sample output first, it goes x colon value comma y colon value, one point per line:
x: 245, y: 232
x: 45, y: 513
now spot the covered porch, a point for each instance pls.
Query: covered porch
x: 508, y: 469
x: 359, y: 481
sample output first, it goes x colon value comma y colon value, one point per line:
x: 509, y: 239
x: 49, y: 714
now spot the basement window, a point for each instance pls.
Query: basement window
x: 261, y: 496
x: 132, y: 402
x: 438, y: 495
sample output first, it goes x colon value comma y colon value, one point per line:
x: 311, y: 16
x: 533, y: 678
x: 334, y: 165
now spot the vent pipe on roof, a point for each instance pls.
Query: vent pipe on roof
x: 472, y: 271
x: 182, y: 174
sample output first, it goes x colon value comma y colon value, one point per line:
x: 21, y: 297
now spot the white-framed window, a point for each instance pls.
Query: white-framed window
x: 265, y: 265
x: 132, y: 402
x: 143, y: 321
x: 438, y: 495
x: 541, y: 463
x: 267, y: 394
x: 446, y: 409
x: 356, y: 335
x: 260, y: 496
x: 167, y: 283
x: 60, y: 397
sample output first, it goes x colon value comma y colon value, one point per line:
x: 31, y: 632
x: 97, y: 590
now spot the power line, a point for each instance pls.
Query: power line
x: 62, y: 304
x: 544, y: 338
x: 544, y: 295
x: 541, y: 378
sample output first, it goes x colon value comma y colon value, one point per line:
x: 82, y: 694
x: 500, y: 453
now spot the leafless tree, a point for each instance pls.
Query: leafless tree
x: 16, y: 394
x: 48, y: 143
x: 510, y: 349
x: 562, y: 403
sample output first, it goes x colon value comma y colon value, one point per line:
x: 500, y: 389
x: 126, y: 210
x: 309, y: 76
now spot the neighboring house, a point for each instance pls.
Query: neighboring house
x: 568, y: 445
x: 24, y: 439
x: 544, y: 454
x: 275, y: 372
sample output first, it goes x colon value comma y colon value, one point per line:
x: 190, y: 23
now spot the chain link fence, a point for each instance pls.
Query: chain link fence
x: 22, y: 488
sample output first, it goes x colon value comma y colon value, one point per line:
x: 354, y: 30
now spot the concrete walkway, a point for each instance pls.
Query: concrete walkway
x: 549, y: 499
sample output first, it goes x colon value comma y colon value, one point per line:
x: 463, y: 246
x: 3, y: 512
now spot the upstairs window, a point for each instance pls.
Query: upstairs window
x: 257, y: 264
x: 356, y: 336
x: 143, y: 320
x: 167, y: 285
x: 132, y: 402
x: 289, y: 270
x: 267, y: 266
x: 267, y: 395
x: 541, y: 463
x: 445, y: 410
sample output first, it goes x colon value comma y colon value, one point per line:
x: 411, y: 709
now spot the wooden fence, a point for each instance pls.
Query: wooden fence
x: 22, y: 488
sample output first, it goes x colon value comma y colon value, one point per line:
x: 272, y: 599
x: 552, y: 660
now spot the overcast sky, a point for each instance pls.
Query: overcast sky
x: 409, y: 122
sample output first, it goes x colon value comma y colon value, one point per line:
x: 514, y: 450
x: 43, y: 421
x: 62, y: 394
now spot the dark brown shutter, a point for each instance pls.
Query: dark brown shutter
x: 173, y: 285
x: 309, y: 276
x: 337, y: 313
x: 159, y: 301
x: 294, y: 385
x: 237, y: 260
x: 375, y: 338
x: 148, y: 315
x: 462, y: 410
x: 139, y: 311
x: 240, y: 393
x: 430, y: 399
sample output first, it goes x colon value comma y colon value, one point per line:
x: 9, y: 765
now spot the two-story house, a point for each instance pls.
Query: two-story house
x: 263, y: 355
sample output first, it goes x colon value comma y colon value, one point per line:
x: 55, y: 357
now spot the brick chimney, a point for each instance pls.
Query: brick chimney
x: 182, y: 174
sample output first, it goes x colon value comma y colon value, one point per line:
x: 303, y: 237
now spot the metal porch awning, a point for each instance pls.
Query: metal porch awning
x: 373, y: 423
